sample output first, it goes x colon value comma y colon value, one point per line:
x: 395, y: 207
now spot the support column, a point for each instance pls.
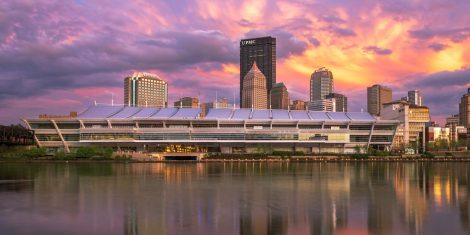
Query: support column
x: 370, y: 135
x: 35, y: 137
x: 66, y: 147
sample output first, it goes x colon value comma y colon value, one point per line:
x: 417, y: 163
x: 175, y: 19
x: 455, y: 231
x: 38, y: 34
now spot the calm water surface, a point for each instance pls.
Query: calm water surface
x: 235, y: 198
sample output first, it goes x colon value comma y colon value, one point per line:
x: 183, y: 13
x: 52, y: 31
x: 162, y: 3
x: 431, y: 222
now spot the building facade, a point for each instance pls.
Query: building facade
x: 377, y: 96
x: 327, y: 105
x: 341, y: 102
x: 145, y: 90
x: 187, y: 102
x: 298, y: 105
x: 279, y: 96
x: 414, y: 97
x: 263, y: 52
x: 254, y: 89
x: 436, y: 136
x: 321, y: 84
x: 412, y: 124
x: 464, y: 110
x: 153, y: 130
x: 217, y: 104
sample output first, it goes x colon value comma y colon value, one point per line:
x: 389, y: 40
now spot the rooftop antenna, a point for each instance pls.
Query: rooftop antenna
x: 216, y: 102
x: 112, y: 99
x: 270, y: 98
x: 181, y: 101
x: 234, y: 100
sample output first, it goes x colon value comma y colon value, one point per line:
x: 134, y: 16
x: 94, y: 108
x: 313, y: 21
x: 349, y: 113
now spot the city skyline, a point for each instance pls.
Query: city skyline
x: 61, y: 59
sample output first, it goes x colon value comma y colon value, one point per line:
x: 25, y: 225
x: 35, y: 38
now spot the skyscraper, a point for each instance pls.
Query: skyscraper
x: 414, y: 97
x: 464, y: 110
x: 377, y: 95
x: 279, y: 96
x: 321, y: 84
x: 254, y: 89
x: 145, y: 89
x: 263, y: 51
x: 340, y: 100
x: 187, y: 102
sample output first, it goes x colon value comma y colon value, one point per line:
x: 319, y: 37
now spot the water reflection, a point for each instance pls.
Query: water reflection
x: 235, y: 198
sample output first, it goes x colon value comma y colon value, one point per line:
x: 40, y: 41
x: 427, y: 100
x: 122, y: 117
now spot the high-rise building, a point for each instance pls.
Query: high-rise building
x: 187, y: 102
x: 340, y: 100
x: 217, y: 104
x: 279, y: 96
x: 464, y: 110
x: 298, y: 105
x: 377, y: 95
x: 326, y: 105
x: 254, y: 89
x: 145, y: 89
x: 411, y: 130
x: 263, y: 51
x: 321, y: 84
x: 414, y: 97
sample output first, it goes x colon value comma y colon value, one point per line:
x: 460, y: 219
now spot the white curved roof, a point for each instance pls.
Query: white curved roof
x: 120, y: 112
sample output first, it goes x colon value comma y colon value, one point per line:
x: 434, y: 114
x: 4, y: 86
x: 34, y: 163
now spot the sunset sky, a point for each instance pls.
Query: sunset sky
x: 60, y: 56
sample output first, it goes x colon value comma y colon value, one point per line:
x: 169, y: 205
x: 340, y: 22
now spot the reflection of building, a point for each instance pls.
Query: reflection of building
x: 464, y: 110
x: 412, y: 119
x: 298, y: 105
x: 321, y: 84
x: 187, y: 102
x: 279, y: 96
x: 341, y: 102
x: 377, y: 95
x: 263, y: 52
x: 328, y: 105
x: 145, y: 89
x: 254, y: 94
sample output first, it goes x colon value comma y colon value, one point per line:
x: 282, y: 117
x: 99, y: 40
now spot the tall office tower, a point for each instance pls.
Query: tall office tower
x: 145, y: 89
x: 263, y: 51
x: 326, y: 105
x: 464, y: 110
x: 377, y: 95
x: 341, y: 102
x: 298, y: 105
x: 187, y: 102
x: 414, y: 97
x: 279, y: 97
x: 254, y: 89
x: 321, y: 84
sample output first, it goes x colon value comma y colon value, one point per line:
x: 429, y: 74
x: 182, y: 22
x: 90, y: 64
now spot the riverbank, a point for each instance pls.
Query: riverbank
x: 311, y: 159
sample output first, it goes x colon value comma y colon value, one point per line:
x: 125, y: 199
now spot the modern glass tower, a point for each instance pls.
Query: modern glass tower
x: 263, y: 51
x: 321, y: 84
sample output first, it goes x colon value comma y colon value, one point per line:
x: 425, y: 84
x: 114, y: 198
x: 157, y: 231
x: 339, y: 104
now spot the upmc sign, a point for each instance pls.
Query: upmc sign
x: 248, y: 42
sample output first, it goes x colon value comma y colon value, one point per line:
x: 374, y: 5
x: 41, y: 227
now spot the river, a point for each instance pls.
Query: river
x: 235, y: 198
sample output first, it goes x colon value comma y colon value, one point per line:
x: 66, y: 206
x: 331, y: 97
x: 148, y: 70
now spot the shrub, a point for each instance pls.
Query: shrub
x: 428, y: 155
x: 36, y: 152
